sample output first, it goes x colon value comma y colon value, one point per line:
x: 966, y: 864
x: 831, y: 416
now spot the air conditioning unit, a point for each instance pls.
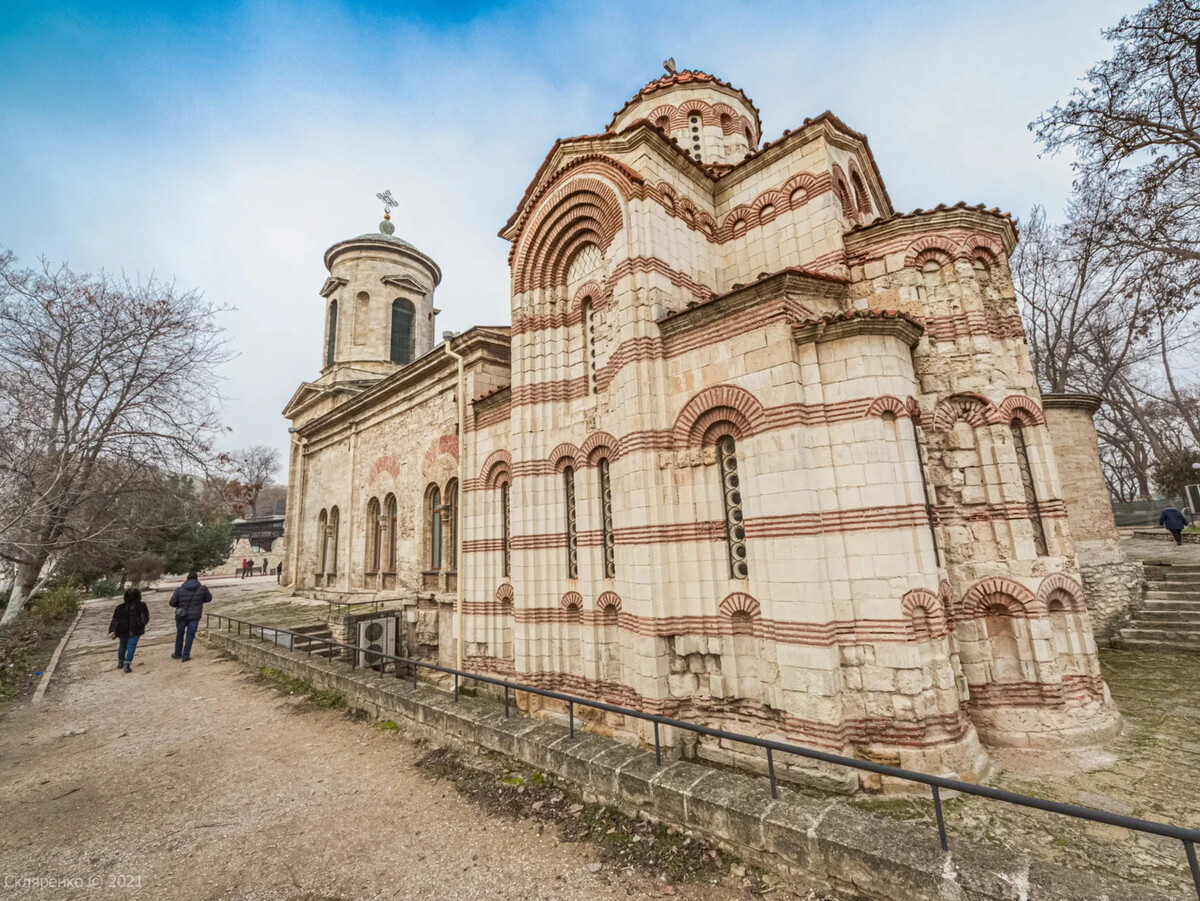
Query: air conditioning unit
x: 376, y: 637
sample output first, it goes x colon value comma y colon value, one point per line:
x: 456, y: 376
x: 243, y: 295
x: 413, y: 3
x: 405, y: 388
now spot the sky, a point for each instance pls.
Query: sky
x: 227, y: 145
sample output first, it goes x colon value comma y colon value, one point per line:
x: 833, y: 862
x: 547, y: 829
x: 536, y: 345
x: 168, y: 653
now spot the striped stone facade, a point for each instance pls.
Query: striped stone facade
x: 755, y: 451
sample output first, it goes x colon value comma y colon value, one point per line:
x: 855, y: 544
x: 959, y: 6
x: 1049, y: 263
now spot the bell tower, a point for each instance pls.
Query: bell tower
x: 379, y: 313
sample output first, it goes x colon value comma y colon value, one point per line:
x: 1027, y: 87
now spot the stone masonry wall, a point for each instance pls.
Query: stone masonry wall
x: 849, y: 852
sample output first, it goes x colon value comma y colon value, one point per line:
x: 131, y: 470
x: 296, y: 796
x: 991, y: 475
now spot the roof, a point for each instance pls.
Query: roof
x: 941, y: 207
x: 685, y: 76
x: 388, y: 240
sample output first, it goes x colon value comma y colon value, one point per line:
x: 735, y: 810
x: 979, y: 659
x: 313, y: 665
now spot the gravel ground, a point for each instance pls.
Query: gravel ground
x: 198, y: 781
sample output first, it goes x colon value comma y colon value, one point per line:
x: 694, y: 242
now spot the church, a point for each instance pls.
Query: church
x: 755, y: 451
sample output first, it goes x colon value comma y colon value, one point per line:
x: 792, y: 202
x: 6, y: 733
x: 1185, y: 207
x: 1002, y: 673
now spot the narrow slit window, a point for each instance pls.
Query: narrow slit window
x: 1031, y: 501
x: 331, y: 345
x: 606, y: 520
x: 435, y: 528
x: 572, y: 532
x: 403, y: 314
x: 505, y: 531
x: 731, y: 493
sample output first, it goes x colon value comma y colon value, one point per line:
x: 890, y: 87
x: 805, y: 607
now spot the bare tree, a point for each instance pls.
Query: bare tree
x: 1135, y: 126
x: 105, y: 384
x: 255, y: 465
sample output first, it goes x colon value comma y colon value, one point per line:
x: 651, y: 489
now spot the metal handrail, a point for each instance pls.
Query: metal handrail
x: 1189, y: 837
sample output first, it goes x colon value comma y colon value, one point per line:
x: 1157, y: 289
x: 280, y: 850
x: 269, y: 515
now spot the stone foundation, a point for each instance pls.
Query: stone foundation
x: 835, y: 848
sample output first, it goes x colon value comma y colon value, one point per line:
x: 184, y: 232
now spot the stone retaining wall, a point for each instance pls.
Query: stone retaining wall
x: 850, y: 852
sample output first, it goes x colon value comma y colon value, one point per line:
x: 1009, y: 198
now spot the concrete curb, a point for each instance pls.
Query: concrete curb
x: 849, y: 850
x: 40, y: 692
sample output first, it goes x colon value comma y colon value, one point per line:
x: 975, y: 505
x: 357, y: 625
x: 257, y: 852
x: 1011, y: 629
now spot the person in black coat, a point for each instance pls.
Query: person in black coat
x: 1175, y: 522
x: 128, y: 625
x: 188, y: 600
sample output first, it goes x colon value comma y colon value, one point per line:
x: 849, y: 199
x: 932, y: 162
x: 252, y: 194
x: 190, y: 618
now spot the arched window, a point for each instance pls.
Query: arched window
x: 433, y: 519
x: 589, y: 347
x: 323, y: 539
x: 389, y: 526
x: 332, y: 556
x: 451, y: 512
x: 505, y: 530
x: 403, y: 314
x: 1031, y: 501
x: 331, y: 341
x: 731, y: 493
x: 374, y: 536
x: 572, y: 532
x: 606, y: 520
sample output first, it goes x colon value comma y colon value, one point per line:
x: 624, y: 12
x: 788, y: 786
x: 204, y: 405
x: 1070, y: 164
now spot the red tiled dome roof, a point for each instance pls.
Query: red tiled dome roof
x: 684, y: 76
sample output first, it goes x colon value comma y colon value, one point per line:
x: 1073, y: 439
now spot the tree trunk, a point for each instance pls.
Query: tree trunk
x: 23, y: 585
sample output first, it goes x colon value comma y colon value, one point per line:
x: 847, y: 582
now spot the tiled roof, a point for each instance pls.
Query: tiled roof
x: 684, y: 76
x: 961, y: 205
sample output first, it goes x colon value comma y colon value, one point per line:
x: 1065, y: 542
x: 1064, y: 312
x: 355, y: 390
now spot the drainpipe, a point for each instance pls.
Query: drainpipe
x: 447, y: 337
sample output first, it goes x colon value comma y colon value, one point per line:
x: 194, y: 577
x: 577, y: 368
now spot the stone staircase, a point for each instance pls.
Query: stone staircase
x: 318, y: 630
x: 1170, y: 617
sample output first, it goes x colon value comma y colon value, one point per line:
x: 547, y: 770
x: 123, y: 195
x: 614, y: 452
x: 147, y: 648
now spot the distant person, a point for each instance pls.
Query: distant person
x: 279, y: 571
x: 1175, y: 522
x: 128, y: 625
x: 264, y: 572
x: 242, y: 569
x: 188, y: 600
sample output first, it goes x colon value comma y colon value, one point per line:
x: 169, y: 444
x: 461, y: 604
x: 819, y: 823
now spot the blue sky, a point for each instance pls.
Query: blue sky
x: 227, y: 145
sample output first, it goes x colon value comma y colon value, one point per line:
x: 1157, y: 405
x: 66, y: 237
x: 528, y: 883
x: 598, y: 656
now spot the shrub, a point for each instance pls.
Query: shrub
x: 57, y: 605
x: 144, y: 570
x: 104, y: 588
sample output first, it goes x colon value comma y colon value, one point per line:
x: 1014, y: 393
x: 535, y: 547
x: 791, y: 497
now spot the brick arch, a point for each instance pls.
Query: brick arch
x: 610, y: 599
x: 496, y: 467
x: 505, y: 593
x: 1058, y: 584
x: 720, y: 403
x: 973, y: 409
x: 841, y: 187
x: 598, y: 444
x: 665, y: 111
x: 572, y: 599
x: 983, y: 247
x: 585, y: 210
x: 598, y: 294
x: 566, y: 454
x: 1021, y: 407
x: 914, y: 409
x: 442, y: 445
x: 888, y: 403
x: 988, y: 593
x: 705, y: 110
x: 935, y: 612
x: 861, y: 191
x: 740, y: 602
x: 927, y: 247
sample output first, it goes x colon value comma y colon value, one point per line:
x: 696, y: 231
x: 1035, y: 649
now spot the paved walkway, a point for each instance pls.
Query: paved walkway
x: 193, y: 781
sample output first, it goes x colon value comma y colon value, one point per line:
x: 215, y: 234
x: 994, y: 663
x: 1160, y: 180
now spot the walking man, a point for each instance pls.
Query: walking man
x: 188, y: 600
x: 1174, y: 521
x: 128, y: 624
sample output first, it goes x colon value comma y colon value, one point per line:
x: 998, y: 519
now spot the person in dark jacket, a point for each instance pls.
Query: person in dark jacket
x: 128, y: 625
x: 188, y: 600
x: 1175, y: 522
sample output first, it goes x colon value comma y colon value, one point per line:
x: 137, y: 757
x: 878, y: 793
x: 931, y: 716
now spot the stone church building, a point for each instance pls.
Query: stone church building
x: 756, y: 451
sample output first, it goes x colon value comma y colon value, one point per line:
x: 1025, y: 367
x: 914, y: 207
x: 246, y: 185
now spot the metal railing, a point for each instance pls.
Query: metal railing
x: 380, y: 661
x: 351, y: 606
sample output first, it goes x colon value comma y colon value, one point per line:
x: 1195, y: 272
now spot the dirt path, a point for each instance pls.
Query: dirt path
x: 194, y: 781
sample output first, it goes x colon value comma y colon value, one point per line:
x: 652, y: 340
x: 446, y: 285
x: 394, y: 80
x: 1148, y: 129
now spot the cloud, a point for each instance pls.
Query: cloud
x: 229, y: 146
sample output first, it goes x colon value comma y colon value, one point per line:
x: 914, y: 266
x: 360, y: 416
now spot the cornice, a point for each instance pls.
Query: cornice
x: 918, y: 222
x: 333, y: 283
x: 405, y: 282
x: 1088, y: 403
x: 852, y: 323
x: 793, y: 281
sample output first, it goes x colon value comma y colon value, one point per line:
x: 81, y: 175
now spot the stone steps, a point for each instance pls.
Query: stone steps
x: 1170, y: 617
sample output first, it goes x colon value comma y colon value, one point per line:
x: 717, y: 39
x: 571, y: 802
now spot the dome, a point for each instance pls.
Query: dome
x: 377, y: 239
x: 713, y: 121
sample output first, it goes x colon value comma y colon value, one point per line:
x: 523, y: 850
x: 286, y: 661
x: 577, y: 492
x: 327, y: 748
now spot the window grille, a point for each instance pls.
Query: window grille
x: 506, y: 530
x: 735, y: 530
x: 606, y: 521
x: 572, y: 533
